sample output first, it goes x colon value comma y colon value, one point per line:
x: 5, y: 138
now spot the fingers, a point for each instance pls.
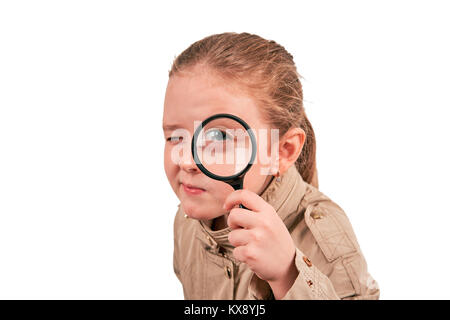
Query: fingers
x: 247, y: 198
x: 239, y: 237
x: 241, y: 218
x: 239, y: 253
x: 244, y: 254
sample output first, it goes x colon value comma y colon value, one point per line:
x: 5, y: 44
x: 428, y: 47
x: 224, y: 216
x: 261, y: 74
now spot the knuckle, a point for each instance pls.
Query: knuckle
x: 247, y: 253
x: 250, y: 253
x: 256, y: 235
x: 265, y: 224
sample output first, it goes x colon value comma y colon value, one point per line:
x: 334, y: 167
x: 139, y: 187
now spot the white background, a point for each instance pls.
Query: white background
x: 86, y: 211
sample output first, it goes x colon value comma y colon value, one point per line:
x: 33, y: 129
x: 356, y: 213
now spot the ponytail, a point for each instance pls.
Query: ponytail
x: 306, y: 162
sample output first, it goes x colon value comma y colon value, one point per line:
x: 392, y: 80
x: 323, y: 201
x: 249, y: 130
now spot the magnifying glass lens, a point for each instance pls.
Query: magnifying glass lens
x: 224, y: 147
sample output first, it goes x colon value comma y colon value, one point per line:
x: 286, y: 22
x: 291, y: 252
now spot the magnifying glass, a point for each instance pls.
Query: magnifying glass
x: 224, y: 149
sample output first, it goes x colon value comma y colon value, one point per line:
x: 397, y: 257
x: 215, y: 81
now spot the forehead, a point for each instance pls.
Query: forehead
x: 196, y: 96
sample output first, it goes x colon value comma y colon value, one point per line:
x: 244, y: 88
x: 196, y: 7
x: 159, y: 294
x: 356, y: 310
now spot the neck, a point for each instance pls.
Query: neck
x: 220, y: 223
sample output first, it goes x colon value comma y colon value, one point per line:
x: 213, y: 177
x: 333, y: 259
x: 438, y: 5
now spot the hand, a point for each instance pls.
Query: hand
x: 261, y: 240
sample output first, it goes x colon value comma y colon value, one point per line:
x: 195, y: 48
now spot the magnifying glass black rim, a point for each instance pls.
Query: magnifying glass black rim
x: 194, y: 150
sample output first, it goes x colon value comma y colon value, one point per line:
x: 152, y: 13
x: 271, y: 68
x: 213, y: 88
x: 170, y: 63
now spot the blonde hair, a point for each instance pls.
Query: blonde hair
x: 264, y: 69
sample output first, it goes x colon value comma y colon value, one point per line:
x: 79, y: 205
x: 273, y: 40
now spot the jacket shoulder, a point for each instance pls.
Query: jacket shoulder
x: 334, y: 235
x: 329, y: 225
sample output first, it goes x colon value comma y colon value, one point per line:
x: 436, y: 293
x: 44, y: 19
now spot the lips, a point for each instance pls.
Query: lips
x: 192, y: 190
x: 191, y: 186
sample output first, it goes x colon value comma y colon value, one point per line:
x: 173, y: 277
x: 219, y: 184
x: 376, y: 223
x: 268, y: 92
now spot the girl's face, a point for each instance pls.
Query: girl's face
x: 193, y: 97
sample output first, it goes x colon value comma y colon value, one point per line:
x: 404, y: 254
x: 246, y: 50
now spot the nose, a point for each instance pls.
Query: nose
x: 187, y: 163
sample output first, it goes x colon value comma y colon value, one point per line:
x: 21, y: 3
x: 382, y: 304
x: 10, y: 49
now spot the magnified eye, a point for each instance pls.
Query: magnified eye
x: 218, y: 135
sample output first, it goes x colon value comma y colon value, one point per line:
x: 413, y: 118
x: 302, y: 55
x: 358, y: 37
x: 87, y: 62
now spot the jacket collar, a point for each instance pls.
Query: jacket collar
x: 284, y: 196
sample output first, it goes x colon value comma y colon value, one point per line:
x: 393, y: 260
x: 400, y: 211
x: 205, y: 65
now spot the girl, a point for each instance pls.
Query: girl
x: 291, y: 241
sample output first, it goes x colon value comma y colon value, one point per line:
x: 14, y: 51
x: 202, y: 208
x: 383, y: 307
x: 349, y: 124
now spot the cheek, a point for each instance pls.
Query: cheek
x: 221, y: 191
x: 170, y: 167
x: 255, y: 178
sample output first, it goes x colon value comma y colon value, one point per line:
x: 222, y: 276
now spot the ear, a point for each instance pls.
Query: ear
x: 290, y: 147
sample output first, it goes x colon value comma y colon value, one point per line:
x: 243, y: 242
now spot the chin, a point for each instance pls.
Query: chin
x: 193, y: 211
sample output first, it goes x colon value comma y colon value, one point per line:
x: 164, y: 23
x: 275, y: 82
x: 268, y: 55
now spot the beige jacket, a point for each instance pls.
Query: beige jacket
x: 328, y: 257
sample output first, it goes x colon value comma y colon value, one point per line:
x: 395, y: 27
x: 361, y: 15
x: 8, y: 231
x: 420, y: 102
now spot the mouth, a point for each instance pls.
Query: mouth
x: 190, y: 189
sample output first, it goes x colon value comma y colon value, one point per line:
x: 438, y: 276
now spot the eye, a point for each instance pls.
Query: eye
x: 217, y: 134
x: 174, y: 140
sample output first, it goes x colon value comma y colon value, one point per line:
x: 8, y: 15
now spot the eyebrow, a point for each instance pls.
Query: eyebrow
x: 168, y: 127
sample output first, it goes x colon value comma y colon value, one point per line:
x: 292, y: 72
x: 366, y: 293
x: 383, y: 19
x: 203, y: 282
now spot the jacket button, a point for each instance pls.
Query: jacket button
x: 186, y: 216
x: 310, y: 283
x: 316, y: 215
x: 307, y: 261
x: 210, y: 240
x: 228, y: 272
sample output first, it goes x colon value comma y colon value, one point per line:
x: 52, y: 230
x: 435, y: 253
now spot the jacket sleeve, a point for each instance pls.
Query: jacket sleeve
x: 176, y: 251
x: 311, y: 283
x: 176, y: 267
x: 342, y: 270
x: 337, y: 269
